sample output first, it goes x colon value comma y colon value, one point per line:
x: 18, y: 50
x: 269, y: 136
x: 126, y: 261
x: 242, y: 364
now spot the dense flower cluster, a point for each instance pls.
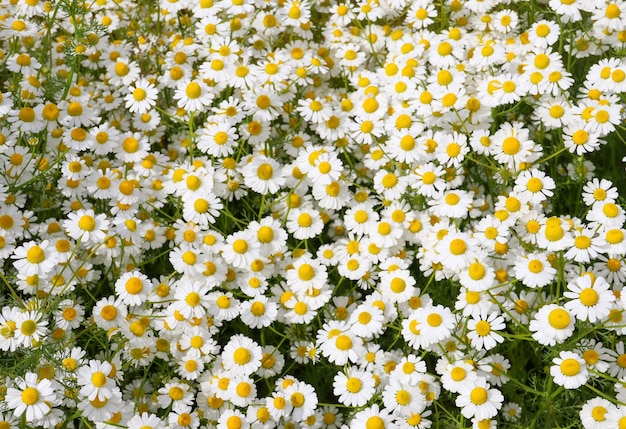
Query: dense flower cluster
x: 245, y: 214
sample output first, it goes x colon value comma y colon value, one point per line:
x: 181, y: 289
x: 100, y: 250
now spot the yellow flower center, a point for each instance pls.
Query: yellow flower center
x: 535, y: 266
x: 30, y: 396
x: 98, y: 379
x: 343, y: 342
x: 375, y: 422
x: 193, y: 90
x: 242, y: 356
x: 598, y: 413
x: 472, y: 297
x: 193, y: 299
x: 265, y: 171
x: 534, y: 185
x: 134, y: 285
x: 458, y: 373
x: 234, y: 422
x: 478, y: 396
x: 108, y: 312
x: 542, y: 30
x: 434, y: 319
x: 139, y: 94
x: 201, y: 205
x: 297, y: 399
x: 589, y: 297
x: 87, y: 223
x: 263, y: 101
x: 257, y: 308
x: 353, y: 385
x: 612, y: 11
x: 457, y: 246
x: 121, y: 69
x: 591, y: 357
x: 570, y: 367
x: 610, y: 210
x: 397, y: 285
x: 511, y: 146
x: 240, y: 246
x: 35, y: 255
x: 559, y: 318
x: 483, y: 328
x: 306, y: 272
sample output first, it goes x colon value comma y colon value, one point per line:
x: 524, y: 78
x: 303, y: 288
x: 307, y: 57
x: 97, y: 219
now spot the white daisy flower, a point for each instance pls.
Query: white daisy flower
x: 32, y: 397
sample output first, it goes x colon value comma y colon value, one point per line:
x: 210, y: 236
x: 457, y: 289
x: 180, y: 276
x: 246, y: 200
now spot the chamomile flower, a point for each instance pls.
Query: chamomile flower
x: 421, y: 14
x: 436, y: 322
x: 534, y: 186
x: 534, y: 270
x: 595, y: 355
x: 479, y: 401
x: 240, y: 249
x: 512, y: 144
x: 34, y: 258
x: 303, y: 399
x: 193, y: 95
x: 552, y: 324
x: 591, y: 298
x: 184, y: 418
x: 30, y: 329
x: 86, y: 226
x: 457, y: 375
x: 608, y: 215
x: 451, y: 149
x: 579, y: 137
x: 367, y: 321
x: 30, y: 397
x: 599, y: 413
x: 222, y: 306
x: 339, y: 344
x: 554, y: 235
x: 241, y: 355
x: 403, y: 398
x: 175, y: 394
x: 608, y: 16
x: 569, y: 370
x: 587, y: 245
x: 457, y: 250
x: 354, y: 387
x: 258, y: 312
x: 94, y: 379
x: 109, y: 313
x: 452, y: 204
x: 599, y: 190
x: 202, y: 209
x: 569, y: 12
x: 410, y: 369
x: 543, y: 33
x: 611, y: 267
x: 190, y: 299
x: 304, y: 223
x: 390, y: 185
x: 481, y: 330
x: 263, y: 175
x: 429, y: 181
x: 360, y: 218
x: 70, y: 315
x: 141, y: 97
x: 132, y: 288
x: 218, y: 139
